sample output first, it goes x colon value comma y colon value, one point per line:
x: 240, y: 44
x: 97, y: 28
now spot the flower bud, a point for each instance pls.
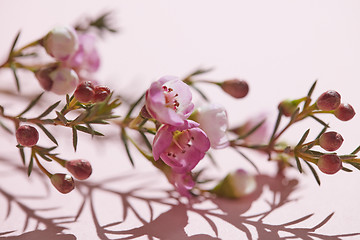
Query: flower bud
x: 288, y: 107
x: 235, y: 87
x: 329, y: 163
x: 328, y: 101
x: 84, y: 92
x: 64, y: 183
x: 27, y: 135
x: 344, y: 112
x: 330, y: 141
x: 235, y: 185
x: 80, y: 169
x: 59, y: 80
x: 101, y: 93
x: 61, y: 42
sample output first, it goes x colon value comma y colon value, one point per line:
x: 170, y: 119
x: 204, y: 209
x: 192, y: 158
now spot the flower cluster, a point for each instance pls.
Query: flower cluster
x: 177, y: 134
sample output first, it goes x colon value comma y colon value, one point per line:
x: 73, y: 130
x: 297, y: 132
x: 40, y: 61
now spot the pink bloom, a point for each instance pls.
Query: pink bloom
x: 61, y: 42
x: 168, y: 100
x: 86, y: 57
x: 181, y: 147
x: 214, y: 121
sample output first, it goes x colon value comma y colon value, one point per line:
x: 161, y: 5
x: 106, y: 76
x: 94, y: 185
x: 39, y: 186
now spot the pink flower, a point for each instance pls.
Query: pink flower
x: 168, y: 100
x: 61, y: 42
x: 86, y: 57
x: 214, y: 121
x: 180, y: 147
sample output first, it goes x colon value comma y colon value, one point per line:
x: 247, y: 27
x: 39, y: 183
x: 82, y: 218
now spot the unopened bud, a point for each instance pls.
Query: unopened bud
x: 288, y: 107
x: 328, y: 101
x: 80, y: 169
x: 235, y: 87
x: 329, y: 163
x: 344, y: 112
x: 27, y: 135
x: 61, y: 42
x: 101, y: 93
x: 331, y: 141
x: 59, y: 80
x: 84, y: 92
x: 64, y: 183
x: 235, y: 185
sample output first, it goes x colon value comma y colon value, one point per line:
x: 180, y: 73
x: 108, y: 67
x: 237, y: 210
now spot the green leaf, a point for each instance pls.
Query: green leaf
x: 75, y: 138
x: 356, y: 165
x: 31, y: 163
x: 200, y: 71
x: 346, y: 169
x: 14, y: 44
x: 48, y: 110
x: 126, y: 145
x: 146, y: 140
x: 303, y: 138
x: 356, y: 150
x: 308, y: 100
x: 277, y: 124
x: 43, y: 156
x: 61, y: 117
x: 13, y: 68
x: 247, y: 158
x: 31, y: 104
x: 322, y: 131
x: 316, y: 176
x: 132, y: 107
x: 88, y: 130
x: 212, y: 159
x: 22, y: 154
x: 80, y: 118
x: 320, y: 121
x: 298, y: 164
x: 48, y: 134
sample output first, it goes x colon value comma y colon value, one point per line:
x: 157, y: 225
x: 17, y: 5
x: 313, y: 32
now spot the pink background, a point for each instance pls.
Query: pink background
x: 279, y: 47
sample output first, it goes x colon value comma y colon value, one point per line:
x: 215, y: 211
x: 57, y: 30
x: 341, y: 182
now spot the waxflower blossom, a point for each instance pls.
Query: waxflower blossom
x: 57, y: 79
x: 214, y: 121
x: 235, y: 185
x: 168, y: 100
x: 180, y: 147
x: 86, y: 58
x: 64, y: 183
x: 61, y: 42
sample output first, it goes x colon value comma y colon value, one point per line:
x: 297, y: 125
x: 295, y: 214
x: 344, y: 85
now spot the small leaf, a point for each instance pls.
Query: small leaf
x: 13, y: 68
x: 307, y: 102
x: 48, y: 134
x: 31, y: 163
x: 200, y: 71
x: 356, y: 150
x: 322, y: 131
x: 212, y: 159
x: 277, y: 123
x: 356, y: 165
x: 132, y: 107
x: 313, y: 172
x: 146, y: 140
x: 252, y: 130
x: 294, y: 115
x: 22, y: 154
x: 43, y: 156
x: 320, y: 121
x: 87, y: 130
x: 346, y: 169
x: 48, y: 110
x: 61, y: 117
x: 248, y: 159
x: 32, y: 103
x: 80, y: 118
x: 75, y: 138
x: 14, y: 44
x: 126, y: 145
x: 303, y: 138
x: 298, y: 164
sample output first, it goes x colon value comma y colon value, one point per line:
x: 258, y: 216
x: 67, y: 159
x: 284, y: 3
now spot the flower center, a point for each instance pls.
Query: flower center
x: 182, y: 141
x: 170, y: 98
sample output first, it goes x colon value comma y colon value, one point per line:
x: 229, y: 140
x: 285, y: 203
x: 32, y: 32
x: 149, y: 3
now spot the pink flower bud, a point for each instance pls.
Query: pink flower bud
x: 27, y: 136
x: 64, y: 183
x: 101, y: 93
x: 80, y: 169
x: 328, y: 101
x: 84, y: 92
x: 344, y: 112
x: 236, y: 88
x: 329, y: 163
x: 235, y: 185
x: 59, y: 80
x: 288, y: 107
x: 61, y: 42
x: 331, y: 141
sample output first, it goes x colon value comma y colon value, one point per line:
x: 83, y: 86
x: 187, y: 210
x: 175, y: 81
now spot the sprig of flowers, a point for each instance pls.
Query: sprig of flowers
x: 175, y: 134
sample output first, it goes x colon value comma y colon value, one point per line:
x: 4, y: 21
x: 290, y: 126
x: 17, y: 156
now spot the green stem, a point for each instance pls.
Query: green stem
x: 41, y: 166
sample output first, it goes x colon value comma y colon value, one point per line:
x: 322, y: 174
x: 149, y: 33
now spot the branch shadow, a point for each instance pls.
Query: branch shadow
x: 174, y: 218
